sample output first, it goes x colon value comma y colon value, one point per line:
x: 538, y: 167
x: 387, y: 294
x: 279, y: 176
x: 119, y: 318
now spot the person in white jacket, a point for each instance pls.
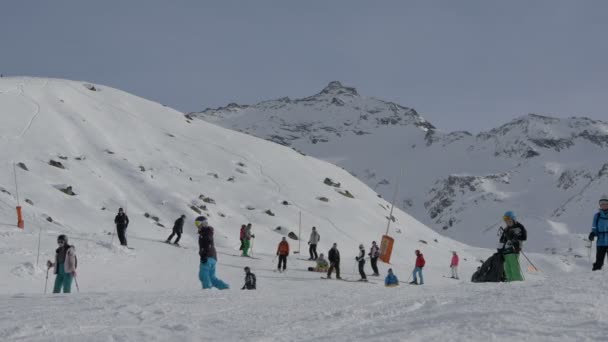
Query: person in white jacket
x: 312, y: 242
x: 64, y: 266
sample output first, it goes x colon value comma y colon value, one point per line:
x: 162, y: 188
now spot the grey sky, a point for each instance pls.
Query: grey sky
x: 462, y: 64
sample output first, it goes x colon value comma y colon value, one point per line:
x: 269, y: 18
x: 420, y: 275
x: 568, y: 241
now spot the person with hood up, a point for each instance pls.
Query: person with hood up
x: 391, y: 279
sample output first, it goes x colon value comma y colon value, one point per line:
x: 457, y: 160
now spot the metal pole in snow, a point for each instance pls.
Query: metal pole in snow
x: 300, y: 233
x: 390, y: 218
x: 39, y: 235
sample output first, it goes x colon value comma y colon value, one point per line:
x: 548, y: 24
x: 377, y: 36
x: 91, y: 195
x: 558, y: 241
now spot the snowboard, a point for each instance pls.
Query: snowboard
x: 174, y: 245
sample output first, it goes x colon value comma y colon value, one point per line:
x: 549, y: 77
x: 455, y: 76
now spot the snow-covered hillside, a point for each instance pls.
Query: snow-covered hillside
x: 550, y: 171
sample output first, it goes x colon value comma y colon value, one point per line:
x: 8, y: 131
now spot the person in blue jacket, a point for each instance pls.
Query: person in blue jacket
x: 599, y: 229
x: 391, y: 279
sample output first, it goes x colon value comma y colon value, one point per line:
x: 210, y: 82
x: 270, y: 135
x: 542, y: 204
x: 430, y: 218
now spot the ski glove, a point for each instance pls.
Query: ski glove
x: 591, y: 236
x: 49, y: 264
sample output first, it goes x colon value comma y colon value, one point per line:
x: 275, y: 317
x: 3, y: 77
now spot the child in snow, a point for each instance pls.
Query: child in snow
x: 361, y: 260
x: 208, y: 256
x: 454, y: 265
x: 249, y: 280
x: 599, y: 229
x: 64, y: 265
x: 322, y: 265
x: 282, y: 253
x: 418, y: 269
x: 391, y: 279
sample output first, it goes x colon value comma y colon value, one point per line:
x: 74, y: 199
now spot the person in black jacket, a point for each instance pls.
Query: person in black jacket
x: 122, y: 222
x: 334, y: 261
x: 178, y: 229
x: 249, y: 280
x: 361, y: 261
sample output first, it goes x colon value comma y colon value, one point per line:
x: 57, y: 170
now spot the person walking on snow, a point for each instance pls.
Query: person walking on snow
x: 64, y: 266
x: 418, y: 269
x: 242, y: 236
x: 249, y: 280
x: 178, y: 229
x: 361, y: 261
x: 208, y: 256
x: 454, y: 265
x: 334, y: 261
x: 122, y: 222
x: 247, y: 240
x: 512, y: 239
x: 599, y: 229
x: 391, y: 279
x: 374, y: 253
x: 312, y: 242
x: 282, y: 253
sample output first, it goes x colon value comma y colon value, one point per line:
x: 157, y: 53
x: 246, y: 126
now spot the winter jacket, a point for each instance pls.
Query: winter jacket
x: 420, y: 260
x: 600, y: 228
x: 67, y: 256
x: 391, y: 279
x: 121, y: 220
x: 250, y: 281
x: 374, y: 252
x: 361, y: 257
x: 322, y: 263
x: 178, y: 226
x: 248, y: 234
x: 242, y: 233
x: 454, y: 260
x: 283, y: 248
x: 205, y: 244
x: 314, y: 238
x: 513, y: 236
x: 333, y: 255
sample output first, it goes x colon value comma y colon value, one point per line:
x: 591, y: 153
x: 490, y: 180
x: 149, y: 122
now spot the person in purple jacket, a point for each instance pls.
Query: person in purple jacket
x: 208, y: 256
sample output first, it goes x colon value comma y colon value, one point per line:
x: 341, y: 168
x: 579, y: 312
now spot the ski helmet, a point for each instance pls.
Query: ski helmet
x: 509, y: 214
x: 200, y: 222
x: 361, y: 246
x: 603, y: 200
x: 63, y: 238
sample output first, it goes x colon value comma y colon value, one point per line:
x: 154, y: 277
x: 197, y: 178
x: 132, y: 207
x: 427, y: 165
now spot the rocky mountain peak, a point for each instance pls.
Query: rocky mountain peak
x: 335, y: 88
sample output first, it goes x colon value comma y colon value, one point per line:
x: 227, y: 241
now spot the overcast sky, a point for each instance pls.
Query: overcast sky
x: 462, y: 64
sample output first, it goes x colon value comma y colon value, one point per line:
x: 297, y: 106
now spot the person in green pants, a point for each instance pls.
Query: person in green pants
x: 247, y: 240
x: 64, y: 265
x: 512, y: 239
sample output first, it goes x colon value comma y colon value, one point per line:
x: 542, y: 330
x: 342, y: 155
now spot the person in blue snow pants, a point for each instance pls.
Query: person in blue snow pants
x: 206, y: 272
x: 207, y: 276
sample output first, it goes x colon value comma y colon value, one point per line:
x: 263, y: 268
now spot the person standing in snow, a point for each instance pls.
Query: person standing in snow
x: 374, y: 253
x: 361, y: 261
x: 247, y: 240
x: 334, y: 261
x: 420, y: 262
x: 282, y: 253
x: 242, y: 236
x: 312, y: 243
x: 599, y: 229
x: 454, y: 265
x: 178, y: 229
x: 64, y: 266
x: 391, y: 279
x: 122, y: 222
x: 208, y: 256
x: 250, y: 280
x: 512, y: 239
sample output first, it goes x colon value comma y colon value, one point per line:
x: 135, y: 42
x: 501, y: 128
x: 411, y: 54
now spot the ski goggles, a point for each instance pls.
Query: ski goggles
x: 603, y: 202
x: 507, y: 218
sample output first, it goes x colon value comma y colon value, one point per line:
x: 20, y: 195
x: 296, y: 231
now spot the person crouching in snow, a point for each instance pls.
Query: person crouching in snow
x: 418, y: 269
x: 454, y: 265
x: 391, y: 279
x: 282, y: 253
x: 599, y: 229
x: 208, y: 256
x: 249, y: 280
x: 322, y: 264
x: 64, y: 265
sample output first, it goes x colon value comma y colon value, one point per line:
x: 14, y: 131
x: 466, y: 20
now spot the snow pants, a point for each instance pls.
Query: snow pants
x: 122, y: 235
x: 246, y: 245
x: 206, y: 275
x: 599, y: 257
x: 374, y: 262
x: 332, y: 266
x: 282, y: 260
x: 63, y: 281
x: 312, y: 250
x: 512, y: 269
x: 454, y: 271
x: 418, y: 270
x: 175, y: 232
x: 361, y: 270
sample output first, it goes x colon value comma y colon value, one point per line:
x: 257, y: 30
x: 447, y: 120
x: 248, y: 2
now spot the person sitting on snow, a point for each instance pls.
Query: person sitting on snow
x: 599, y: 229
x: 250, y: 280
x: 322, y: 265
x: 391, y: 279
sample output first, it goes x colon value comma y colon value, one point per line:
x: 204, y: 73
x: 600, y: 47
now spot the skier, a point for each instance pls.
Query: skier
x: 418, y: 269
x: 178, y: 229
x: 599, y: 229
x: 64, y: 266
x: 454, y: 265
x: 208, y: 256
x: 282, y: 253
x: 374, y: 253
x: 122, y: 222
x: 247, y: 240
x: 312, y: 242
x: 322, y: 264
x: 334, y: 261
x: 361, y: 260
x: 250, y: 280
x: 512, y: 238
x: 242, y: 236
x: 391, y: 279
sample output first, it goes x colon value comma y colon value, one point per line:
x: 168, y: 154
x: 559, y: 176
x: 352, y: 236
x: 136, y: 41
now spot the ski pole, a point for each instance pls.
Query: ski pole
x: 76, y: 282
x: 535, y: 268
x: 47, y: 279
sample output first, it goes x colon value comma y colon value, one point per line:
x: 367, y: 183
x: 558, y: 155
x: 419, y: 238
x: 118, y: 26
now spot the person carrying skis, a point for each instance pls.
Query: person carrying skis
x: 391, y: 279
x: 334, y: 261
x: 242, y: 236
x: 420, y: 262
x: 282, y: 253
x: 512, y: 238
x: 599, y: 229
x: 374, y: 253
x: 361, y: 261
x: 64, y: 266
x: 208, y: 256
x: 312, y: 243
x: 250, y: 280
x: 322, y: 264
x: 247, y: 240
x: 454, y: 265
x: 178, y: 229
x: 122, y: 222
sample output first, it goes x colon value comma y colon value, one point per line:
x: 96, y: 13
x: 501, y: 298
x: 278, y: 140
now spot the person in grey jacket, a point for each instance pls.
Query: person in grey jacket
x: 312, y: 242
x: 64, y: 266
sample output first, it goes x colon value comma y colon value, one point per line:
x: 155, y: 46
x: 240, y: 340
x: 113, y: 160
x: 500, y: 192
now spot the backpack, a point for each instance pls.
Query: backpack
x: 492, y: 270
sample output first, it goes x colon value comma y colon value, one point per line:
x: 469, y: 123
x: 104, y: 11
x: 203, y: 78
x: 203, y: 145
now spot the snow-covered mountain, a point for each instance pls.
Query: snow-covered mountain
x: 550, y: 171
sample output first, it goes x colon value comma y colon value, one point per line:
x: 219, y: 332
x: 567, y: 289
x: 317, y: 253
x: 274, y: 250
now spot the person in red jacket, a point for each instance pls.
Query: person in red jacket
x: 242, y: 236
x: 454, y: 265
x: 282, y: 253
x: 418, y: 269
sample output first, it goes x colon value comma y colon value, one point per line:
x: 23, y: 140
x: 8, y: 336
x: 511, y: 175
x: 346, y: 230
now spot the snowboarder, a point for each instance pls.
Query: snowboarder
x: 64, y: 266
x: 247, y: 240
x: 250, y: 280
x: 122, y: 222
x: 418, y: 269
x: 178, y: 229
x: 282, y: 253
x: 322, y: 264
x: 312, y: 242
x: 599, y: 229
x: 374, y: 253
x: 208, y: 256
x: 391, y: 279
x: 361, y: 261
x: 454, y: 265
x: 242, y: 236
x: 512, y: 238
x: 334, y: 261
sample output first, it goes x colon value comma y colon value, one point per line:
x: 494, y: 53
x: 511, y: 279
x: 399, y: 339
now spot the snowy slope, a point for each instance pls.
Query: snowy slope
x: 548, y: 170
